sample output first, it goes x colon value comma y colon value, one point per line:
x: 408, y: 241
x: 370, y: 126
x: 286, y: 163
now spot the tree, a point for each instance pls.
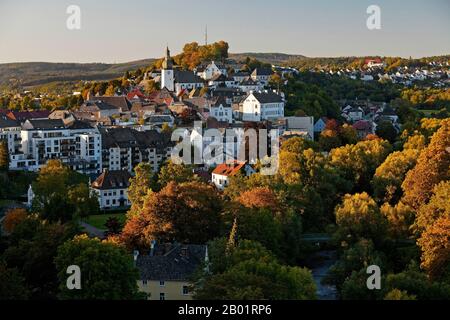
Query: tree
x: 4, y: 156
x: 251, y: 272
x: 113, y: 226
x: 12, y: 284
x: 260, y: 198
x: 358, y: 162
x: 359, y: 217
x: 32, y: 250
x: 435, y: 246
x: 62, y: 194
x: 400, y: 218
x: 13, y: 218
x: 140, y: 186
x: 186, y: 213
x: 396, y: 294
x: 107, y: 270
x: 178, y: 173
x: 389, y: 176
x: 386, y: 131
x: 437, y: 207
x: 431, y: 168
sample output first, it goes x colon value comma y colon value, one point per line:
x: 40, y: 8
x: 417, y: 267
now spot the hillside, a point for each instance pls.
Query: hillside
x: 38, y: 73
x: 272, y: 58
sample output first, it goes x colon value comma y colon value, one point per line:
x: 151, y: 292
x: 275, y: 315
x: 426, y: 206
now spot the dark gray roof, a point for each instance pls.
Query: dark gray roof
x: 121, y: 102
x: 186, y: 77
x: 8, y: 123
x: 262, y: 72
x: 94, y: 105
x: 112, y: 180
x: 175, y: 263
x: 129, y: 138
x: 268, y: 97
x: 43, y: 124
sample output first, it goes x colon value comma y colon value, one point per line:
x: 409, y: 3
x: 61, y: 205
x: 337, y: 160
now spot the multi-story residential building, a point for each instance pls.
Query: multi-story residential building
x: 10, y: 133
x: 77, y: 144
x: 124, y: 148
x: 165, y: 272
x: 263, y: 105
x: 111, y: 189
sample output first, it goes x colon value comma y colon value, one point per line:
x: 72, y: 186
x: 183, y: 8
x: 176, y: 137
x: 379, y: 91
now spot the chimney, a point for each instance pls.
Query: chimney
x: 135, y: 256
x: 152, y: 248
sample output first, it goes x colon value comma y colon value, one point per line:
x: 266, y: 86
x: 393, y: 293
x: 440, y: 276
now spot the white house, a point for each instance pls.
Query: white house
x: 111, y: 189
x: 223, y: 172
x: 211, y: 70
x: 262, y: 75
x: 187, y: 80
x: 266, y: 105
x: 250, y: 85
x: 221, y: 111
x: 353, y: 113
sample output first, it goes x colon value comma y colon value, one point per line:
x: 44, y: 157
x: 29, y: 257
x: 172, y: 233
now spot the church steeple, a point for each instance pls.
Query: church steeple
x: 167, y: 64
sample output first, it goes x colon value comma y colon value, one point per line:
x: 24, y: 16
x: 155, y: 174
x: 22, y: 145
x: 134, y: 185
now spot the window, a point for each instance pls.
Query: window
x: 144, y: 282
x: 162, y: 283
x: 162, y: 296
x: 185, y: 290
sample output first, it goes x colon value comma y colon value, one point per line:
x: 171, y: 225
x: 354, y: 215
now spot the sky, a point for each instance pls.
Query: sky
x: 115, y: 31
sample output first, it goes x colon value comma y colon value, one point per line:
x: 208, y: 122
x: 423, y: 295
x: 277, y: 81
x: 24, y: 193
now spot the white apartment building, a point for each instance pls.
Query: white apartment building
x: 265, y: 105
x: 10, y: 133
x: 78, y: 145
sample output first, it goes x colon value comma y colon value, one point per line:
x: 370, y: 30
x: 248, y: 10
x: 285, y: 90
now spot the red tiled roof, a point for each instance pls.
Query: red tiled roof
x: 26, y: 115
x: 226, y: 169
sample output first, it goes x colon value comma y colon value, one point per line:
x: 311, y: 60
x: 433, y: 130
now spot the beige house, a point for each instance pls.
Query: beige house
x: 166, y: 270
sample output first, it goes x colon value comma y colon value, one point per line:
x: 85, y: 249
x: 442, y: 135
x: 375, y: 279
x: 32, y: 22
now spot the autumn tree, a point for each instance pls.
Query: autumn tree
x: 140, y: 186
x: 107, y: 270
x: 178, y: 173
x: 187, y: 212
x: 435, y: 246
x: 399, y: 218
x: 437, y: 207
x: 358, y: 162
x: 359, y: 217
x: 13, y: 218
x: 62, y: 194
x: 431, y: 168
x: 389, y: 176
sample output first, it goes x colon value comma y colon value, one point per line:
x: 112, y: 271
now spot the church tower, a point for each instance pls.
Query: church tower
x: 167, y: 77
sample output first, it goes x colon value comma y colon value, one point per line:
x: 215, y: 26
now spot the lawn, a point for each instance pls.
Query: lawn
x: 99, y: 221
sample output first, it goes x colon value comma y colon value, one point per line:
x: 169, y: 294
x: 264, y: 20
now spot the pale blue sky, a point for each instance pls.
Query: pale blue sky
x: 120, y: 31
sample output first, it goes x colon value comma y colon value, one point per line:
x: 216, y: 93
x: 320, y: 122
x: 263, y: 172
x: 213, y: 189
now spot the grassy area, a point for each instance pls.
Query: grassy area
x: 99, y: 221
